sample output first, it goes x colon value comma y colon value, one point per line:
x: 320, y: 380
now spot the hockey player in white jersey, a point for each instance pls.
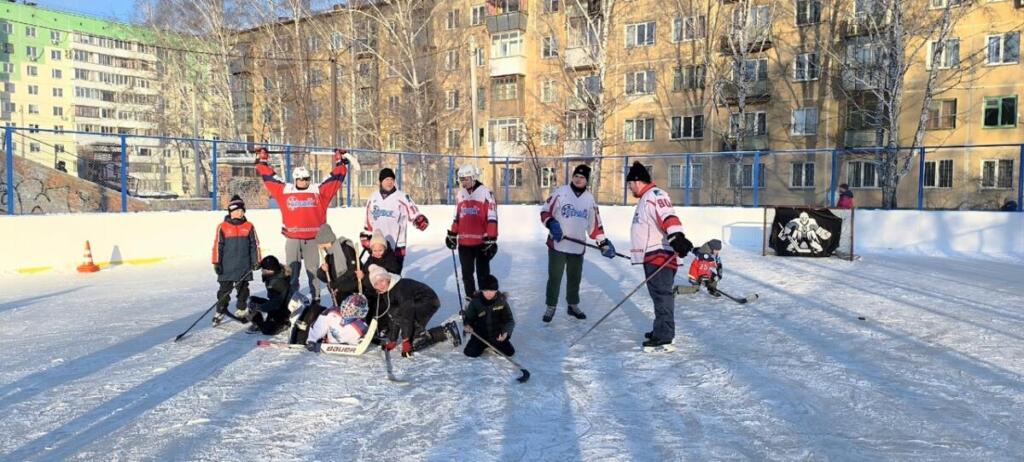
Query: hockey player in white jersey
x: 342, y: 324
x: 571, y: 212
x: 390, y: 210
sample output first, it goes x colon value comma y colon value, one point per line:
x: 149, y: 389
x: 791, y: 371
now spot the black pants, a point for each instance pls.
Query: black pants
x: 300, y: 332
x: 472, y: 259
x: 225, y: 289
x: 476, y: 348
x: 269, y: 320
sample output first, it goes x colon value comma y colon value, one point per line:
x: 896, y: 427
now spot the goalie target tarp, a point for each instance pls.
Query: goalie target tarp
x: 804, y: 232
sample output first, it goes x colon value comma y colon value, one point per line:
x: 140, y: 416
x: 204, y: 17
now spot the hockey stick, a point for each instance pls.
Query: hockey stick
x: 455, y: 266
x: 526, y: 374
x: 592, y: 246
x: 233, y: 288
x: 630, y: 294
x: 751, y: 298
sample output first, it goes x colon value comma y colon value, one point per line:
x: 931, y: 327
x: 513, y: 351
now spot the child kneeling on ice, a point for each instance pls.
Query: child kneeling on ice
x: 272, y: 315
x: 343, y: 324
x: 489, y: 316
x: 705, y: 269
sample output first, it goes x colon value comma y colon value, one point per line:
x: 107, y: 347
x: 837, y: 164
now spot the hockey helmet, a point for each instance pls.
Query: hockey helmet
x: 301, y: 173
x: 468, y: 171
x: 354, y: 305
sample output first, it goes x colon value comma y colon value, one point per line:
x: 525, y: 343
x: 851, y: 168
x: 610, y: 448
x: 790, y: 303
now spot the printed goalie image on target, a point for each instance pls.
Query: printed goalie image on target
x: 808, y: 232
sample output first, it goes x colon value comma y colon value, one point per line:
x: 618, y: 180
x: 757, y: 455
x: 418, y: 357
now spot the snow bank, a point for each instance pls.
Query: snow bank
x: 55, y: 242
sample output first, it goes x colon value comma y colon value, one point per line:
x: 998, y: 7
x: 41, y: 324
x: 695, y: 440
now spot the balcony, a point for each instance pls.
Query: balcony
x: 508, y: 65
x: 753, y: 92
x: 864, y: 138
x: 578, y: 148
x: 364, y: 46
x: 751, y: 39
x: 502, y: 149
x: 502, y: 22
x: 580, y: 57
x: 750, y: 143
x: 862, y: 25
x: 861, y: 79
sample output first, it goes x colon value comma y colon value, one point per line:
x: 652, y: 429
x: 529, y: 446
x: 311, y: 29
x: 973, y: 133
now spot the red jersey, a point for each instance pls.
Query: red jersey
x: 476, y: 215
x: 302, y: 211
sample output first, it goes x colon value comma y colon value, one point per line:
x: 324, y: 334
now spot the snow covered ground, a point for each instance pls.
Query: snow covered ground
x: 933, y: 372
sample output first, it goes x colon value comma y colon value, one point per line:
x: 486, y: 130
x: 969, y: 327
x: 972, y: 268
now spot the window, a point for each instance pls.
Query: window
x: 58, y: 92
x: 548, y: 177
x: 32, y: 52
x: 552, y: 6
x: 549, y: 135
x: 453, y: 99
x: 689, y: 28
x: 33, y: 109
x: 639, y: 130
x: 30, y: 31
x: 481, y: 98
x: 58, y: 111
x: 941, y: 114
x: 58, y: 148
x: 997, y: 173
x: 367, y: 177
x: 506, y: 44
x: 808, y: 12
x: 949, y: 55
x: 55, y: 55
x: 33, y: 147
x: 805, y: 121
x: 451, y: 60
x: 7, y: 68
x: 513, y: 177
x: 549, y: 48
x: 8, y: 48
x: 7, y: 28
x: 505, y: 130
x: 393, y: 102
x: 454, y: 138
x: 588, y: 87
x: 33, y: 128
x: 677, y: 176
x: 640, y: 83
x: 751, y: 70
x: 688, y: 78
x: 742, y: 176
x: 581, y: 126
x: 504, y: 88
x: 805, y: 67
x: 638, y: 35
x: 861, y: 174
x: 938, y: 174
x: 1004, y: 49
x: 1000, y: 112
x: 453, y: 20
x: 935, y: 4
x: 478, y: 56
x: 33, y: 89
x: 687, y: 127
x: 756, y: 124
x: 547, y: 91
x: 803, y: 175
x: 337, y: 41
x: 32, y: 70
x: 477, y: 15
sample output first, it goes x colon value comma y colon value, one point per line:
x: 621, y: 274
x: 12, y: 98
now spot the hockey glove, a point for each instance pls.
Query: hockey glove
x: 452, y: 240
x: 364, y: 239
x: 490, y: 248
x: 421, y: 223
x: 556, y: 229
x: 607, y: 249
x: 218, y: 268
x: 340, y: 158
x: 407, y: 348
x: 680, y: 244
x: 313, y: 347
x: 262, y: 156
x: 390, y: 345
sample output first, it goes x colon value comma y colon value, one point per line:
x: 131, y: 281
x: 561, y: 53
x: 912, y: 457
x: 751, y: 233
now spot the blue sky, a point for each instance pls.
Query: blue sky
x: 110, y: 9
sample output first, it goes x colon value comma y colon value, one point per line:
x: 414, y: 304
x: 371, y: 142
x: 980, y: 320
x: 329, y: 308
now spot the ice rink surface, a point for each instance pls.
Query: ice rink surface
x: 933, y: 371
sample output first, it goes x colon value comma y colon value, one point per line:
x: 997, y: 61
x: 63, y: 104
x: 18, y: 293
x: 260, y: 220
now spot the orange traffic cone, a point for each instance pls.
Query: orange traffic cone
x: 87, y: 265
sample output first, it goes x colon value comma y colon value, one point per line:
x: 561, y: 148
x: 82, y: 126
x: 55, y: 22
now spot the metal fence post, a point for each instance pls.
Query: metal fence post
x: 124, y: 173
x: 287, y: 163
x: 508, y: 171
x: 920, y: 180
x: 756, y: 180
x: 688, y: 173
x: 565, y: 172
x: 1020, y: 181
x: 213, y: 175
x: 625, y: 173
x: 448, y: 184
x: 400, y: 158
x: 834, y: 181
x: 348, y: 189
x: 9, y: 149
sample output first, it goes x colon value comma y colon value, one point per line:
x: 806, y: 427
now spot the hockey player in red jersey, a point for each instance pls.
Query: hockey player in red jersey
x: 475, y: 228
x: 706, y: 269
x: 303, y: 206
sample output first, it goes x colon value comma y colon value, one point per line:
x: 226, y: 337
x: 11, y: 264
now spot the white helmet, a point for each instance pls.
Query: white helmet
x: 468, y: 171
x: 301, y: 173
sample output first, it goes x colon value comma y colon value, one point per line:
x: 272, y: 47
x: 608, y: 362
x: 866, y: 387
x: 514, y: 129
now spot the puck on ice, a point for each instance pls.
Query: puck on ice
x: 862, y: 318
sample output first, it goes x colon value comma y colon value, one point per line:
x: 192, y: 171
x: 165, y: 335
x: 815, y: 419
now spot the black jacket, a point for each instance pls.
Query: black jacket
x: 388, y: 261
x: 409, y: 304
x: 489, y: 318
x: 343, y: 269
x: 279, y: 292
x: 236, y: 249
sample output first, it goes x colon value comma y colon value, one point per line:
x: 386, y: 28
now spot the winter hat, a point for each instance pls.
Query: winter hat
x: 715, y: 244
x: 378, y: 239
x: 236, y: 203
x: 489, y: 282
x: 270, y: 263
x: 582, y: 169
x: 638, y: 172
x: 385, y: 173
x: 377, y: 273
x: 325, y: 235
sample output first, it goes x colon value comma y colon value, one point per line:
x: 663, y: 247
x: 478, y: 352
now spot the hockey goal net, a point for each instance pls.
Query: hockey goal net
x: 845, y: 247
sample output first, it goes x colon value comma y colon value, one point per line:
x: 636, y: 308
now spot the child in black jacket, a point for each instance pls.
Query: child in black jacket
x: 490, y: 316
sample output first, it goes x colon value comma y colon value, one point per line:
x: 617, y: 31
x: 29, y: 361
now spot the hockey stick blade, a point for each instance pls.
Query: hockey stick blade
x: 524, y: 377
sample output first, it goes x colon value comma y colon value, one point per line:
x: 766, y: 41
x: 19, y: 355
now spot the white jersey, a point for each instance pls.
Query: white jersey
x: 653, y: 219
x: 577, y: 215
x: 391, y: 215
x: 331, y: 327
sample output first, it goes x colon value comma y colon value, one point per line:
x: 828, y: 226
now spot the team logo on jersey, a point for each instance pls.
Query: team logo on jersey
x: 378, y: 212
x: 471, y: 211
x: 568, y: 211
x: 296, y: 203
